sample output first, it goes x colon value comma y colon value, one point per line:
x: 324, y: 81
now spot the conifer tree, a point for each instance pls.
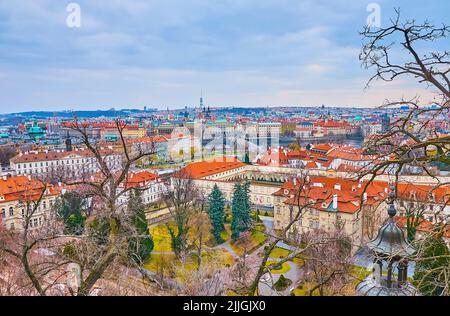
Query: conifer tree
x: 216, y: 212
x: 236, y: 207
x: 241, y: 218
x: 246, y: 216
x: 140, y: 245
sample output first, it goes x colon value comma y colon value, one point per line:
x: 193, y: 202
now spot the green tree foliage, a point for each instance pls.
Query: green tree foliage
x: 282, y: 283
x: 71, y: 208
x: 241, y: 218
x: 294, y: 146
x: 246, y: 213
x: 99, y: 229
x: 433, y: 267
x: 140, y: 245
x: 216, y: 212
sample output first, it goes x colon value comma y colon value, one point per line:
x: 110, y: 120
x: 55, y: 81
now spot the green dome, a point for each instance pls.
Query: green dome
x: 35, y: 130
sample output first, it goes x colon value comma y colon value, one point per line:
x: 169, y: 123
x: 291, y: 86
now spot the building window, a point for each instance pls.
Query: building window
x: 11, y: 212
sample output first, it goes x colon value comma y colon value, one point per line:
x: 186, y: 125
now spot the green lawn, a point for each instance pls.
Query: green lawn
x: 161, y: 238
x: 217, y: 258
x: 162, y: 241
x: 249, y: 243
x: 278, y: 252
x: 299, y: 262
x: 285, y: 267
x: 357, y: 274
x: 303, y: 290
x: 225, y: 234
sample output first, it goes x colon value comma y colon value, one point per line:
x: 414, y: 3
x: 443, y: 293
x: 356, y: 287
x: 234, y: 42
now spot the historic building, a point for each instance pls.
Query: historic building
x: 149, y: 185
x: 17, y: 198
x: 66, y: 164
x: 330, y: 204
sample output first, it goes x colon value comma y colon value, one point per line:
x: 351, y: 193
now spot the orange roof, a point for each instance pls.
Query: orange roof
x: 198, y: 170
x: 141, y: 178
x: 311, y: 165
x: 350, y: 153
x: 322, y: 147
x: 321, y: 190
x: 424, y: 226
x: 418, y: 192
x: 23, y: 188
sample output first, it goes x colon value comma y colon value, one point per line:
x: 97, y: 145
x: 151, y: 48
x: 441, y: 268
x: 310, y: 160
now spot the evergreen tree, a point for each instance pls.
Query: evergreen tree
x: 246, y: 212
x: 216, y: 212
x: 247, y: 159
x: 140, y: 245
x: 71, y: 209
x: 241, y: 217
x: 236, y: 207
x: 432, y: 267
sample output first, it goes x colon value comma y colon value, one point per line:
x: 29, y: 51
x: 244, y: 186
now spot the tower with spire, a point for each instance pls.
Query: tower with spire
x: 202, y: 106
x: 390, y: 251
x: 68, y: 142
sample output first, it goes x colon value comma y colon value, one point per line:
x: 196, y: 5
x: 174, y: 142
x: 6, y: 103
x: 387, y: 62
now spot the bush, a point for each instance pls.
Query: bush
x: 282, y: 283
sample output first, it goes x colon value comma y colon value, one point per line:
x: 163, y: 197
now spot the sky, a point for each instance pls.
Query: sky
x: 163, y: 53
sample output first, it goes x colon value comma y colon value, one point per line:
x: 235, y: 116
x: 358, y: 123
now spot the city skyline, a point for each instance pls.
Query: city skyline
x: 155, y: 54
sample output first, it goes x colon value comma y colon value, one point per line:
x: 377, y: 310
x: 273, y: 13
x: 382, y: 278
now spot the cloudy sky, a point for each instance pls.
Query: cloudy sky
x: 159, y: 53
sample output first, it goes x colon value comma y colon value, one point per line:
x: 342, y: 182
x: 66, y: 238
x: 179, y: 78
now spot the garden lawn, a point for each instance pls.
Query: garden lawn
x: 303, y: 290
x: 219, y: 258
x: 162, y: 241
x: 249, y: 242
x: 161, y: 238
x: 278, y: 252
x: 285, y: 267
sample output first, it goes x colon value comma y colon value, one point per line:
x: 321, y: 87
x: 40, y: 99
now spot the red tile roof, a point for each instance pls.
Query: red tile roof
x: 198, y: 170
x: 24, y: 189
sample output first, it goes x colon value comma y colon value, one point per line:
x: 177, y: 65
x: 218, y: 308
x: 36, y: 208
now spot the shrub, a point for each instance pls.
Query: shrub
x: 282, y: 283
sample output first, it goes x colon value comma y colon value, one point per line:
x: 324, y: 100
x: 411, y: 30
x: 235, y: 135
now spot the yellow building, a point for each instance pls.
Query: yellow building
x: 331, y: 204
x: 18, y: 196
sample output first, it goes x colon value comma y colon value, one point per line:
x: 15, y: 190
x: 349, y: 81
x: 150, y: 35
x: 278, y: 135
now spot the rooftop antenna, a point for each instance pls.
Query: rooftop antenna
x: 201, y: 98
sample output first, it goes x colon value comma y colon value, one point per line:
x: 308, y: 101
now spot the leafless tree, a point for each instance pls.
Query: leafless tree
x: 327, y: 261
x: 109, y: 225
x: 180, y: 202
x: 412, y: 139
x: 413, y: 142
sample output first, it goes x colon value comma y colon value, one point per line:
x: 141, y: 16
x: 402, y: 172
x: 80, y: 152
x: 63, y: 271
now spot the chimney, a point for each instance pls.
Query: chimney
x: 59, y: 184
x: 335, y: 201
x: 386, y: 190
x: 337, y: 186
x: 365, y: 197
x: 5, y: 178
x: 295, y: 181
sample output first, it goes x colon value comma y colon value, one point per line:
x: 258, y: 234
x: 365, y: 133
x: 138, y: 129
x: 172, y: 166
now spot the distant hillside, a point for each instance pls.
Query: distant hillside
x: 84, y: 114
